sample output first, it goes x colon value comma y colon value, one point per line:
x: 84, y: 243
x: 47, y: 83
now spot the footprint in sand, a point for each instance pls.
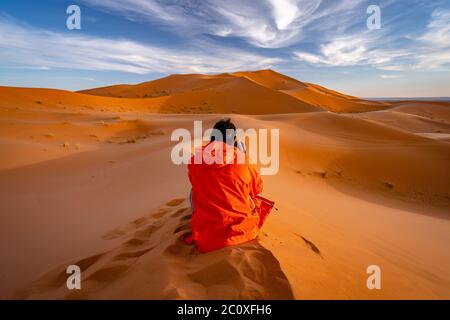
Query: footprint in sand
x: 147, y: 231
x: 132, y: 254
x: 179, y: 249
x: 160, y: 213
x: 114, y: 234
x: 180, y: 212
x: 109, y: 273
x: 119, y: 232
x: 85, y: 263
x: 171, y: 204
x: 135, y: 242
x: 186, y: 217
x: 247, y: 271
x: 139, y: 222
x: 311, y: 245
x: 183, y: 227
x: 124, y: 230
x: 175, y: 202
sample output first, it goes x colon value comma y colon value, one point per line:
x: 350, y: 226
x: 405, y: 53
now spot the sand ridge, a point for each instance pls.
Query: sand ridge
x: 261, y: 86
x: 88, y: 179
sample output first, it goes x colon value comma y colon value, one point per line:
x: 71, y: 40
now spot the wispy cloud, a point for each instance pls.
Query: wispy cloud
x: 434, y: 45
x: 390, y: 76
x: 352, y: 50
x: 438, y: 29
x: 265, y: 23
x: 386, y: 49
x: 392, y: 68
x: 25, y: 46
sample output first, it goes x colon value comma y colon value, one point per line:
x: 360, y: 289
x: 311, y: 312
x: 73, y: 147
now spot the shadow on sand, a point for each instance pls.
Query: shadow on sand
x: 153, y: 263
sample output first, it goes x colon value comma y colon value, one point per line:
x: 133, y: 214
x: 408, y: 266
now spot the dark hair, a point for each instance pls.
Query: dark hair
x: 222, y: 126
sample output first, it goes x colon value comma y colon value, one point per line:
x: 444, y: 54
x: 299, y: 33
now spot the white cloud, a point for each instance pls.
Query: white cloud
x: 284, y: 12
x: 35, y: 48
x: 433, y: 50
x: 438, y: 29
x: 392, y: 68
x: 350, y: 51
x: 308, y: 57
x: 345, y: 51
x: 263, y: 23
x: 390, y: 76
x: 430, y: 50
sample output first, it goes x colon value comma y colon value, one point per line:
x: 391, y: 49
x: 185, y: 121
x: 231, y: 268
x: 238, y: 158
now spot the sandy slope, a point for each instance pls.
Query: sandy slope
x: 95, y: 186
x: 267, y: 89
x: 313, y: 94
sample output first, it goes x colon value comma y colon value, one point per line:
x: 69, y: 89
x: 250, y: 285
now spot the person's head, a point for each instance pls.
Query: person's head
x: 227, y: 131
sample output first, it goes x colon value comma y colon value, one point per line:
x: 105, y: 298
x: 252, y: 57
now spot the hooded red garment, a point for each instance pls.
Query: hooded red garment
x: 223, y: 197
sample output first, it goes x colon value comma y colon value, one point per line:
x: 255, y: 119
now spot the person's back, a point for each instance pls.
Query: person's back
x: 222, y: 192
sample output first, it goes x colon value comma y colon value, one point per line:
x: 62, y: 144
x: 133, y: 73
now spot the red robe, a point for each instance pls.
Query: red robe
x: 224, y: 197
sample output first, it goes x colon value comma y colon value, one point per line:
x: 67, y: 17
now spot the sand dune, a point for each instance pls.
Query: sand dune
x: 313, y: 94
x: 209, y: 94
x: 222, y: 98
x: 169, y: 85
x: 87, y: 179
x: 278, y: 89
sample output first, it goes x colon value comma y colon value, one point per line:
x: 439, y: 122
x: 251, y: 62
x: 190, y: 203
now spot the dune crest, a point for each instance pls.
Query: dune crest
x: 310, y: 97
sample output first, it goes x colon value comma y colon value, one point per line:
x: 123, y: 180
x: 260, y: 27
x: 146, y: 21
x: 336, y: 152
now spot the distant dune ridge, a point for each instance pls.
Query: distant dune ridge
x: 266, y: 91
x: 86, y: 178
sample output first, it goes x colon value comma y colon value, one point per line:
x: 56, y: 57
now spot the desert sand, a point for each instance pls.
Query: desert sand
x: 86, y: 178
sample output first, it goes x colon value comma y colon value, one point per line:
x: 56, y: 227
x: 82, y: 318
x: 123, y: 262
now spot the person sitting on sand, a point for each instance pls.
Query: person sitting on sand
x: 224, y: 193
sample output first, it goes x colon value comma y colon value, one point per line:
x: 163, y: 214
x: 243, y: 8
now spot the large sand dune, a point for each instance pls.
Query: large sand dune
x: 267, y: 91
x: 86, y: 178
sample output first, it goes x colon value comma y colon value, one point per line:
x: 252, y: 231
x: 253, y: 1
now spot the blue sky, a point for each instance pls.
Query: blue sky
x: 321, y: 41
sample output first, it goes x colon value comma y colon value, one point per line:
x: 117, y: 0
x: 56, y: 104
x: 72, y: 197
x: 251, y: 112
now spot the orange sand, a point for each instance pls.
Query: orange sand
x: 86, y: 178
